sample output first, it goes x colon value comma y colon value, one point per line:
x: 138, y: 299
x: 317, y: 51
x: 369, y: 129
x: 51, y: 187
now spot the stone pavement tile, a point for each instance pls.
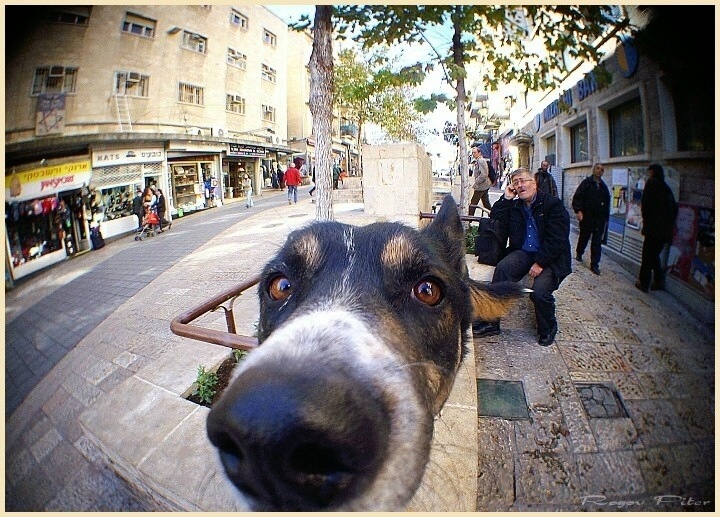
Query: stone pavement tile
x: 610, y: 474
x: 543, y: 477
x: 81, y: 389
x: 64, y: 458
x: 661, y: 471
x: 45, y: 444
x: 697, y: 416
x: 685, y: 385
x: 656, y: 421
x: 63, y: 409
x: 84, y: 487
x: 641, y: 359
x: 122, y: 421
x: 696, y: 464
x: 184, y: 469
x: 20, y: 462
x: 628, y: 385
x: 33, y: 492
x: 614, y: 434
x: 598, y: 357
x: 496, y: 470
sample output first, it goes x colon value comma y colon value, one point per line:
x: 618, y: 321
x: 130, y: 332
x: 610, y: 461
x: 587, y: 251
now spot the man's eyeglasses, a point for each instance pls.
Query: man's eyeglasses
x: 520, y: 181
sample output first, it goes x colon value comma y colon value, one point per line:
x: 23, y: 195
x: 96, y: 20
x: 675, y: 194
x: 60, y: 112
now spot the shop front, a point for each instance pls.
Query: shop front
x: 47, y: 213
x: 117, y: 173
x: 241, y: 160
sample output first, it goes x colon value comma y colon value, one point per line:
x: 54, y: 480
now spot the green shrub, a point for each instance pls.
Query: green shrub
x: 205, y: 383
x: 470, y: 235
x: 239, y: 354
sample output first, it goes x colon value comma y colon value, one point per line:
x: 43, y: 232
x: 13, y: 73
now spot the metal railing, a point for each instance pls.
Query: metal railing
x: 224, y: 301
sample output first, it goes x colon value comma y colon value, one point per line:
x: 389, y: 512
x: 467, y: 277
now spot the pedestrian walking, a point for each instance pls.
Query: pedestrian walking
x: 544, y: 180
x: 314, y: 184
x: 162, y: 209
x: 659, y: 211
x: 481, y: 180
x: 137, y: 206
x: 591, y: 204
x: 292, y: 180
x: 537, y: 229
x: 248, y: 190
x: 280, y: 178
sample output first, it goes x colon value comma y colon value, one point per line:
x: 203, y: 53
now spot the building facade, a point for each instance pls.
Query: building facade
x: 104, y: 99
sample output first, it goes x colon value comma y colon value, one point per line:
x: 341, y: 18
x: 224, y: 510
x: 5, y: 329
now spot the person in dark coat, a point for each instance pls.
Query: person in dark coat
x: 659, y: 211
x: 591, y: 204
x: 544, y: 180
x: 537, y: 228
x: 137, y: 206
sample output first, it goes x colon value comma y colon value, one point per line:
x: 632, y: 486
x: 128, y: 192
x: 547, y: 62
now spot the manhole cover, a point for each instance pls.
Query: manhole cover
x: 505, y: 399
x: 601, y: 401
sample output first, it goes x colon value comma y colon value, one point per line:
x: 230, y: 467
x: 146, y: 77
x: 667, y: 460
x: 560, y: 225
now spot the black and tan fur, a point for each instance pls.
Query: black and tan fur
x: 362, y: 331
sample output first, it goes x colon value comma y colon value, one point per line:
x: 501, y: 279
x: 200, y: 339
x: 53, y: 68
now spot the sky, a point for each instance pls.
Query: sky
x: 442, y: 153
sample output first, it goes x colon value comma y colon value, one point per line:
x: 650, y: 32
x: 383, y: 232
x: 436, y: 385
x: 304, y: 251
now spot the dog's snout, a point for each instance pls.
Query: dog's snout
x: 299, y: 441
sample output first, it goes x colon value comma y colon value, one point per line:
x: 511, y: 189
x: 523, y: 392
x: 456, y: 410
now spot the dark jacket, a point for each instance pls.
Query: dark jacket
x: 593, y: 199
x: 546, y: 183
x: 659, y: 210
x: 138, y: 205
x: 553, y: 224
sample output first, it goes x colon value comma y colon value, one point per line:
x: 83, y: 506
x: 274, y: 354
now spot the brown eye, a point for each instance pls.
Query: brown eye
x: 428, y: 292
x: 279, y: 289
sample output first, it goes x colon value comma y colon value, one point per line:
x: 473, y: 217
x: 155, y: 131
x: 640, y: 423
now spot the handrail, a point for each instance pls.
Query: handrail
x: 181, y: 324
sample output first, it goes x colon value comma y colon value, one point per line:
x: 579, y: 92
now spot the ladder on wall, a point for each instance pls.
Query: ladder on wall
x: 122, y: 108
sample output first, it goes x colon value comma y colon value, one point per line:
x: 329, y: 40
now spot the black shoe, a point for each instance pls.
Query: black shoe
x: 578, y: 258
x: 485, y: 328
x: 549, y: 339
x: 640, y: 286
x: 595, y: 270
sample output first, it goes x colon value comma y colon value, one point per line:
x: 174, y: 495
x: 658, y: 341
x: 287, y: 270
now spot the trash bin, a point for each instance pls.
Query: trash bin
x: 180, y: 212
x: 229, y: 192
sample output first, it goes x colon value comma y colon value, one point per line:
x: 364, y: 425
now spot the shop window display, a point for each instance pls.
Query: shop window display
x: 37, y: 227
x: 111, y: 203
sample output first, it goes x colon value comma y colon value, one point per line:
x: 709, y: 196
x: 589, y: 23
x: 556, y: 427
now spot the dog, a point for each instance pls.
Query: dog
x: 362, y: 331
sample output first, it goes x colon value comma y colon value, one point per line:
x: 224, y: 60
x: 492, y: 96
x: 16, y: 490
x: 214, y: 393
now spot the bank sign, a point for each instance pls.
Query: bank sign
x: 247, y: 151
x: 111, y: 157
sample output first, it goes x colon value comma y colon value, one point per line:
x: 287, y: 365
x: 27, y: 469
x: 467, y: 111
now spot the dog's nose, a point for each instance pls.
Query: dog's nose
x: 297, y: 440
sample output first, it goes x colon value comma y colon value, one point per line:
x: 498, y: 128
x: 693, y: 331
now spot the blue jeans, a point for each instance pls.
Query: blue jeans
x: 513, y: 268
x: 292, y: 193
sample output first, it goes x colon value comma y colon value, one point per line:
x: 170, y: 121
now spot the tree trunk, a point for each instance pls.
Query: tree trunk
x: 462, y: 139
x: 321, y: 98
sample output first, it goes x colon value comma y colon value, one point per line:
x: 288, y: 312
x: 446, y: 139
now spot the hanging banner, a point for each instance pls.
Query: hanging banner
x: 46, y: 181
x: 50, y: 114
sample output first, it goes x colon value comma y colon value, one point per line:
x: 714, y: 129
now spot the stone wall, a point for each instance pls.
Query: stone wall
x: 397, y: 180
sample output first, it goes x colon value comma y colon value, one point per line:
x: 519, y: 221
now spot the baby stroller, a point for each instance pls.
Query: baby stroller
x: 150, y: 227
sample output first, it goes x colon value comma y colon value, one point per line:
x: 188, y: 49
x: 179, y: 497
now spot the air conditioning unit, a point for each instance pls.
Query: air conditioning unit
x: 217, y: 131
x: 194, y: 131
x: 57, y: 71
x: 237, y: 99
x: 133, y: 77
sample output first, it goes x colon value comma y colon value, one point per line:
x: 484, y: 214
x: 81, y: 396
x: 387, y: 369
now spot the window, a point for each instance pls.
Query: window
x: 54, y: 79
x: 236, y: 58
x: 139, y: 25
x: 235, y: 103
x: 550, y: 148
x: 195, y: 42
x: 268, y: 113
x: 191, y: 94
x: 239, y: 19
x: 694, y: 119
x: 269, y: 38
x: 626, y: 129
x: 269, y: 74
x: 74, y: 15
x: 579, y: 143
x: 131, y: 83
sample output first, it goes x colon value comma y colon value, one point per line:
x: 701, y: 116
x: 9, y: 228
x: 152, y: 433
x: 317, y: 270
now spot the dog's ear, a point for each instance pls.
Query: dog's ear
x: 446, y: 233
x: 490, y: 302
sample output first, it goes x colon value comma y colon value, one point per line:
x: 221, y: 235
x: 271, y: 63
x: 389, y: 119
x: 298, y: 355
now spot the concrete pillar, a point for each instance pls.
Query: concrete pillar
x: 397, y: 181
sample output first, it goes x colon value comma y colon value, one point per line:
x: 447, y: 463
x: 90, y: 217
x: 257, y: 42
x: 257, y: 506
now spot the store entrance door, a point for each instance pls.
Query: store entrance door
x: 77, y: 237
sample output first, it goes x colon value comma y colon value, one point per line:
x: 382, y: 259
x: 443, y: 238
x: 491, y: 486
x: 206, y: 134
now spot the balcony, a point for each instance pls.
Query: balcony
x: 348, y: 130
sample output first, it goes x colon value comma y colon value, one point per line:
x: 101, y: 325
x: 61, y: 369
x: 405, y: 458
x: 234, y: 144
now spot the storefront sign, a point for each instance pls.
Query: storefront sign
x: 46, y: 181
x: 110, y: 157
x: 250, y: 151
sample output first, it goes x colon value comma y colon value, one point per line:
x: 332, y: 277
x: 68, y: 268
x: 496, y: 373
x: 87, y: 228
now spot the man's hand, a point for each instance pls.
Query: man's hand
x: 579, y: 215
x: 535, y: 270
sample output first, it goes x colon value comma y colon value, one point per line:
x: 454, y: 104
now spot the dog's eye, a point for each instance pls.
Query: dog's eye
x: 428, y: 292
x: 280, y: 288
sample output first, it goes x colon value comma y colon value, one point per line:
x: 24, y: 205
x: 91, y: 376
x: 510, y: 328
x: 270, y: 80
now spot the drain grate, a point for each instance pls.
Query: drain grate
x: 505, y: 399
x: 601, y: 401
